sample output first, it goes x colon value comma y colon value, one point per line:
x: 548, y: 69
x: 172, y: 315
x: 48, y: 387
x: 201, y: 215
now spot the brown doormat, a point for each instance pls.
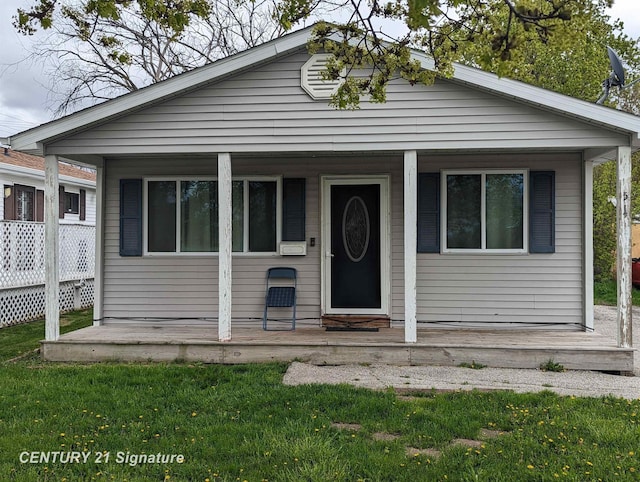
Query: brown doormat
x: 356, y: 321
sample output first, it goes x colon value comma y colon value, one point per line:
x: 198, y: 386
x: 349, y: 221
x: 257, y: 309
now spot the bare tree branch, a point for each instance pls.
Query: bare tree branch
x: 93, y: 58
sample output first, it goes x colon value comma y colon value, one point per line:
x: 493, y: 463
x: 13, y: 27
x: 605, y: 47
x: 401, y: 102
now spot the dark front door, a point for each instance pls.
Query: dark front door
x: 355, y: 247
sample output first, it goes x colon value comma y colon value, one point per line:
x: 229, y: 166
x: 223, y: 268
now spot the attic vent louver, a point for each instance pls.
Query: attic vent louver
x: 311, y: 78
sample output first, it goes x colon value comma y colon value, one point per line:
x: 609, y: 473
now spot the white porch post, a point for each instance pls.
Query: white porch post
x: 623, y: 215
x: 99, y: 248
x: 410, y: 244
x: 588, y: 245
x: 51, y: 251
x: 224, y: 246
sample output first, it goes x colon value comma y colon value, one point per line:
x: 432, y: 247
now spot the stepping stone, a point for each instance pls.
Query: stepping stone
x: 467, y: 442
x: 346, y: 426
x: 414, y: 452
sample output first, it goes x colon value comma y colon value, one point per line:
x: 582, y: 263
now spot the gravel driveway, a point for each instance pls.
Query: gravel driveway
x: 579, y: 383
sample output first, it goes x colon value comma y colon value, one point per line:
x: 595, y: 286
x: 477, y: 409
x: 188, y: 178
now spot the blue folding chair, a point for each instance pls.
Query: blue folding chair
x: 283, y: 295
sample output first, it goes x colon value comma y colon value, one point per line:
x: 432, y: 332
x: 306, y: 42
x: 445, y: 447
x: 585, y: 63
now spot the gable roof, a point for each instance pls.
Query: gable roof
x: 34, y: 139
x: 36, y: 163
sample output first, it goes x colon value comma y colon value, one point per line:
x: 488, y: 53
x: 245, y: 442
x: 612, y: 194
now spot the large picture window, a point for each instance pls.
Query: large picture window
x: 182, y: 215
x: 484, y: 211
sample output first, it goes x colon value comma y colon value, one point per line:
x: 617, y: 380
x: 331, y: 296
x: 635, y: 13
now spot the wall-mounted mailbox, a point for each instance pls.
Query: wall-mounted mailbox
x: 293, y: 248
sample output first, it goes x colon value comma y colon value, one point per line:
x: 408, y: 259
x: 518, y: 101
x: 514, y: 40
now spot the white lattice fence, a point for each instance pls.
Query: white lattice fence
x: 22, y: 253
x: 18, y: 305
x: 22, y: 269
x: 77, y: 251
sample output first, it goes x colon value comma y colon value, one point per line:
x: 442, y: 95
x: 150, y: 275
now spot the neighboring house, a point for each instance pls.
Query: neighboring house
x: 22, y: 180
x: 22, y: 246
x: 466, y: 203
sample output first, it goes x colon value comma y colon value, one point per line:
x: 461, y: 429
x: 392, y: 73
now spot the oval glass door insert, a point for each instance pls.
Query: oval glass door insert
x: 355, y: 228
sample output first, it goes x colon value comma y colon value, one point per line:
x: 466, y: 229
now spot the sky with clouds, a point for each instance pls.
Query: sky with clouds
x: 24, y: 87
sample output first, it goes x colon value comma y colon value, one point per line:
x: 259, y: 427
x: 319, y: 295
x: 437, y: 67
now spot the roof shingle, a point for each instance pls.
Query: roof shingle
x: 16, y: 158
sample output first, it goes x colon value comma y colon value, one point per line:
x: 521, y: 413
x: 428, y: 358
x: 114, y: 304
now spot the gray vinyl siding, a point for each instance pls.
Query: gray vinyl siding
x: 182, y: 286
x: 493, y: 290
x: 540, y: 289
x: 266, y: 110
x: 266, y: 121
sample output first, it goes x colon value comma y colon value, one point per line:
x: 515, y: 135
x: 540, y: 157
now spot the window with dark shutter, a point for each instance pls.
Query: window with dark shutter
x: 542, y: 212
x: 83, y: 205
x: 429, y: 212
x: 130, y: 217
x: 293, y: 209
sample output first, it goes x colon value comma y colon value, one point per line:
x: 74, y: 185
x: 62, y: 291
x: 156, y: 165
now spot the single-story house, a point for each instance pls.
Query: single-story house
x: 465, y: 204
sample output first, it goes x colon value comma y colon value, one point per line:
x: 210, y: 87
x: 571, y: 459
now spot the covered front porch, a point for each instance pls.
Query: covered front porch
x: 505, y: 348
x: 412, y: 309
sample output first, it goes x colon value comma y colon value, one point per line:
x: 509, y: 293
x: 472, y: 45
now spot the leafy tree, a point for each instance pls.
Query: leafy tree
x: 604, y: 214
x: 361, y: 41
x: 574, y: 62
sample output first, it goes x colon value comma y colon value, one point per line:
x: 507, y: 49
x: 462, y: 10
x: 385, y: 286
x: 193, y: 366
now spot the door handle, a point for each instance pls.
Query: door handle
x: 329, y: 255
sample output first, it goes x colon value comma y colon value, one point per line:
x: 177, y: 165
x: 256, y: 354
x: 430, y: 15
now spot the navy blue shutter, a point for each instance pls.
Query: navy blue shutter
x: 429, y: 212
x: 542, y: 215
x: 130, y: 217
x: 293, y: 209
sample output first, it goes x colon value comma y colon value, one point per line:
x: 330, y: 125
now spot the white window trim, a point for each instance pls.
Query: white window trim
x: 245, y: 193
x: 483, y: 211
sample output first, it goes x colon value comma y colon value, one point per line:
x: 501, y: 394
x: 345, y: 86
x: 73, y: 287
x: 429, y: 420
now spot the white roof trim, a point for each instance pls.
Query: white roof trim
x: 537, y: 96
x: 32, y: 140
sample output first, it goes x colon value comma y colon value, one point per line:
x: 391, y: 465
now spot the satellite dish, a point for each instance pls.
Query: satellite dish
x: 617, y: 76
x: 616, y: 79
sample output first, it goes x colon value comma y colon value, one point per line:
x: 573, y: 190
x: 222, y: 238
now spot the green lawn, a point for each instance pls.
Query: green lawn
x: 605, y: 293
x: 237, y: 423
x: 21, y: 339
